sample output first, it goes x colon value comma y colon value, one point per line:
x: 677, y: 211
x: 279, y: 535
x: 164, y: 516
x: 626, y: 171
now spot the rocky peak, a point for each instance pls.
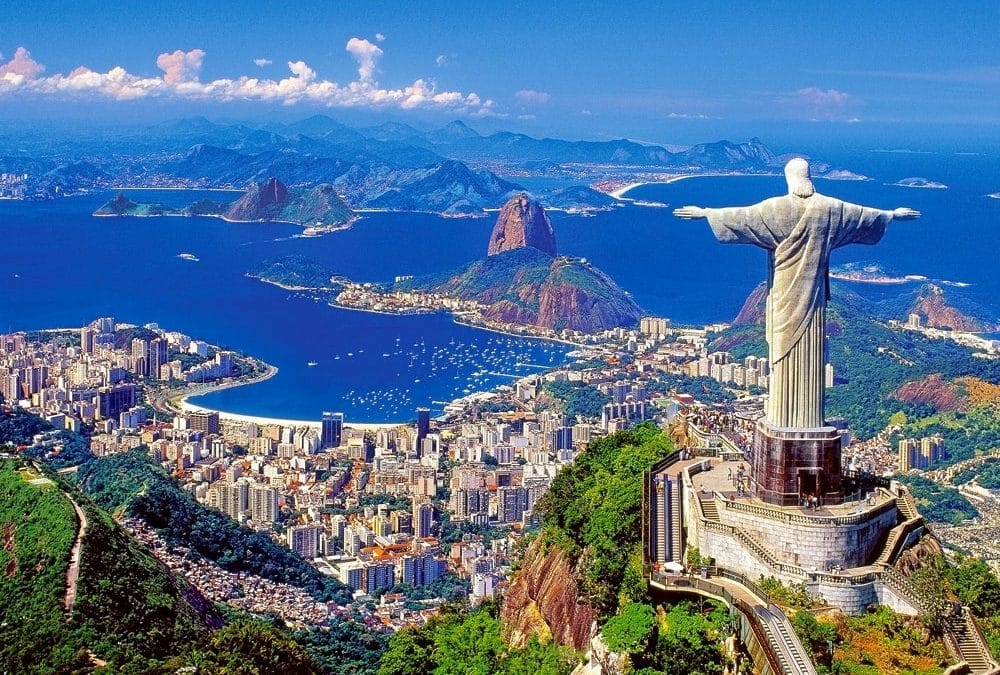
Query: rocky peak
x: 261, y: 201
x: 522, y: 222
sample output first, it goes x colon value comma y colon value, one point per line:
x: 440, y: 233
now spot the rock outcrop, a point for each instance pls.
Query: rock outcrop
x: 753, y: 309
x: 522, y: 222
x: 543, y: 599
x: 261, y: 201
x: 272, y: 201
x: 934, y: 391
x: 933, y: 307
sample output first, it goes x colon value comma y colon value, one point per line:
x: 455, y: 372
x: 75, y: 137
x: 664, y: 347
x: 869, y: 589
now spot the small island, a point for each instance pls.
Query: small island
x: 578, y: 199
x: 319, y: 210
x: 843, y: 174
x: 296, y: 273
x: 917, y: 182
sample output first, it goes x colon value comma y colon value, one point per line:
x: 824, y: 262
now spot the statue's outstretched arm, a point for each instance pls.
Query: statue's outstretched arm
x: 691, y: 212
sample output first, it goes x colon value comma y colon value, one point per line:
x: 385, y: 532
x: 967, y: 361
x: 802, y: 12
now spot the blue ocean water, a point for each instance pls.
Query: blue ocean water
x: 61, y: 267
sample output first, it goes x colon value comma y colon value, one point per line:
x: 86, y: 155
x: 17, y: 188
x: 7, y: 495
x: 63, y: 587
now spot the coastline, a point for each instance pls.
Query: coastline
x: 458, y: 321
x: 182, y: 404
x: 256, y: 419
x: 620, y: 192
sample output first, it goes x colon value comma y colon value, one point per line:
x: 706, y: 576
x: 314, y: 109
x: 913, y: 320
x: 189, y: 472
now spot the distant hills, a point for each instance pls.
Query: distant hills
x: 877, y: 367
x: 453, y: 170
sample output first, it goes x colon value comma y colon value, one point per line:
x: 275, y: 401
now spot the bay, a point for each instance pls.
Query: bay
x: 61, y: 267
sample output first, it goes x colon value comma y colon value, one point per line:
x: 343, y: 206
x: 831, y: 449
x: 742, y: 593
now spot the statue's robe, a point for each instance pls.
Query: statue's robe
x: 799, y: 233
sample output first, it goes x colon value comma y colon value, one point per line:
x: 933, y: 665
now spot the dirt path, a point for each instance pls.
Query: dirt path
x: 74, y: 562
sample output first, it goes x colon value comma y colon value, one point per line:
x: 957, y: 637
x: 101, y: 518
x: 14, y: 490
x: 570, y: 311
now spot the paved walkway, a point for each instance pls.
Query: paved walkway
x: 74, y: 562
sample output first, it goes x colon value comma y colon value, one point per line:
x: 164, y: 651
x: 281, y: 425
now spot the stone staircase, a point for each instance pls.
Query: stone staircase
x: 889, y: 550
x: 907, y: 507
x: 970, y: 644
x: 710, y: 509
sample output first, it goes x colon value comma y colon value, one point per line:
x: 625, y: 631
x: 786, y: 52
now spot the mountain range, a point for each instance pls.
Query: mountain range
x: 451, y: 170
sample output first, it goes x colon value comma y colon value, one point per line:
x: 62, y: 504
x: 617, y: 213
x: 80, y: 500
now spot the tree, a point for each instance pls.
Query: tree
x: 631, y: 631
x: 689, y: 643
x: 536, y: 658
x: 469, y: 647
x: 253, y: 647
x: 408, y: 654
x: 817, y: 636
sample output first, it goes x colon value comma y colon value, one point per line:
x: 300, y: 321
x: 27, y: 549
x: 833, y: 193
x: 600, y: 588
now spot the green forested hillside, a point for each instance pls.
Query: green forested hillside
x: 594, y: 509
x: 128, y: 610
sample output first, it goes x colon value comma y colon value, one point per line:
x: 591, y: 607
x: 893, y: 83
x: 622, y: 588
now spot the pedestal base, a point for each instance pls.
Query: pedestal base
x: 790, y: 465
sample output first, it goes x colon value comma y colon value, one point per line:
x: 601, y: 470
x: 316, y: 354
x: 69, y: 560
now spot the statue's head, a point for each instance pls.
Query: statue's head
x: 797, y: 176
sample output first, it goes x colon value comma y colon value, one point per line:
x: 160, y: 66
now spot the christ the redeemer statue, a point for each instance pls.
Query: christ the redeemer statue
x: 798, y: 230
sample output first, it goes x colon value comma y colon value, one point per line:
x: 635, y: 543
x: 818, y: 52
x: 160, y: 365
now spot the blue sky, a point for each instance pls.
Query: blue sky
x: 657, y: 71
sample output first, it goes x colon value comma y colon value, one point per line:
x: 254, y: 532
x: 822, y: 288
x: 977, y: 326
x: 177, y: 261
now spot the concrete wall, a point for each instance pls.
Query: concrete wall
x: 817, y: 545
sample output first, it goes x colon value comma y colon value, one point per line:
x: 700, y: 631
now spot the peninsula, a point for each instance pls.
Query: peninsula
x: 522, y: 286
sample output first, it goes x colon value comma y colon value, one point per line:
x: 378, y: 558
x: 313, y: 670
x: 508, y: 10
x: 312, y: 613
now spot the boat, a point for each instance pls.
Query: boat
x: 188, y: 256
x: 311, y: 364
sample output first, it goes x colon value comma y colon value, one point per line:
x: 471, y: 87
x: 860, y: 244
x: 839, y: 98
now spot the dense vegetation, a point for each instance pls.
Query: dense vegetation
x: 880, y: 641
x: 875, y: 361
x: 293, y: 270
x: 593, y: 511
x: 577, y: 399
x: 246, y: 647
x: 469, y: 644
x: 129, y: 611
x: 131, y: 481
x: 37, y: 529
x: 871, y: 361
x: 987, y: 471
x: 962, y: 433
x: 346, y: 646
x: 60, y: 447
x: 978, y: 587
x: 677, y: 640
x: 129, y: 607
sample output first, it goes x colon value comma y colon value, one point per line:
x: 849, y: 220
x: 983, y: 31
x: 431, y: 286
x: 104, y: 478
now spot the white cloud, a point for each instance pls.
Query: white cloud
x: 441, y: 60
x: 379, y: 37
x: 819, y: 104
x: 260, y: 63
x: 367, y: 55
x: 532, y: 96
x: 586, y: 112
x: 180, y: 66
x: 525, y: 117
x: 180, y: 79
x: 22, y: 64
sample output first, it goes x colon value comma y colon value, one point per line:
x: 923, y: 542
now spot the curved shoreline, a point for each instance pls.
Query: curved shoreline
x: 620, y: 192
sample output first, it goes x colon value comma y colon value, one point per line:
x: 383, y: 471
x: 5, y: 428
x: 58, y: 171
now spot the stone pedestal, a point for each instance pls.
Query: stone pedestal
x: 790, y: 464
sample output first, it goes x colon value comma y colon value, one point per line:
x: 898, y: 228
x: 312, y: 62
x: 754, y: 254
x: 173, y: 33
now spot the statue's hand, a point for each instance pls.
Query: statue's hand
x: 690, y: 212
x: 904, y: 213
